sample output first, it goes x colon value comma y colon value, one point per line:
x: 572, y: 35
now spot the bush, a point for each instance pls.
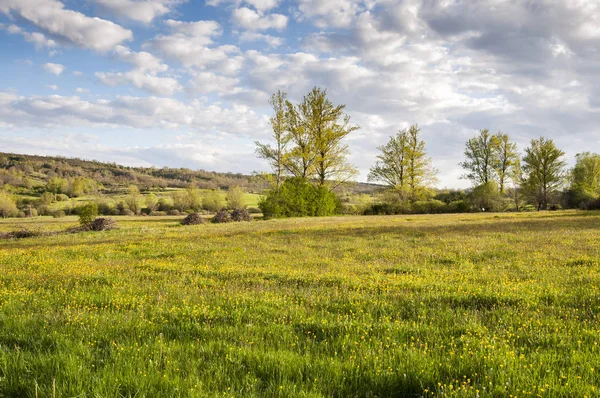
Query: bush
x: 193, y: 219
x: 212, y: 201
x: 241, y: 215
x: 222, y: 216
x: 158, y: 213
x: 254, y: 210
x: 8, y: 207
x: 87, y: 213
x: 459, y: 206
x: 235, y: 198
x: 486, y: 197
x: 298, y: 198
x: 173, y: 212
x: 428, y: 207
x: 58, y: 214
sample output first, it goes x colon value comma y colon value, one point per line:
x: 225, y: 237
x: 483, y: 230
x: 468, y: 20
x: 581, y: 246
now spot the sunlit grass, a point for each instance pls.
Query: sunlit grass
x: 456, y: 305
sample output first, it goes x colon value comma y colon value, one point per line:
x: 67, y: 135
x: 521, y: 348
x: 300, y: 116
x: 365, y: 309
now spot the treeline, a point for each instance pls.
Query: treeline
x: 308, y: 161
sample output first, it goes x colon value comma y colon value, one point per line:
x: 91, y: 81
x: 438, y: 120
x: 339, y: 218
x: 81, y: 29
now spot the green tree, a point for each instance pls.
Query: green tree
x: 57, y: 185
x: 151, y: 202
x: 134, y: 199
x: 403, y: 165
x: 275, y: 155
x: 87, y: 213
x: 8, y: 207
x: 213, y: 201
x: 584, y: 180
x: 480, y: 158
x: 317, y: 129
x: 194, y: 198
x: 235, y: 198
x: 544, y: 170
x: 504, y: 158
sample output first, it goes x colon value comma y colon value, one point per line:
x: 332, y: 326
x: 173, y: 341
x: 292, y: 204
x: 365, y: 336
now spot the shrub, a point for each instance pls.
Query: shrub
x: 87, y: 213
x: 193, y: 219
x: 298, y: 198
x: 241, y: 215
x: 222, y: 216
x: 235, y: 198
x: 212, y: 201
x: 254, y: 210
x: 173, y: 212
x: 158, y: 213
x: 8, y: 207
x: 486, y: 197
x: 58, y: 214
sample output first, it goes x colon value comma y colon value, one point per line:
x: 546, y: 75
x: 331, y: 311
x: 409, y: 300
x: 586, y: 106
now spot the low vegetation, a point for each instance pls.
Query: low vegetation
x: 447, y: 305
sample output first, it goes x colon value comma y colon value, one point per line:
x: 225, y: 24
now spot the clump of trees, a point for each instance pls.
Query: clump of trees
x: 408, y: 174
x: 309, y: 155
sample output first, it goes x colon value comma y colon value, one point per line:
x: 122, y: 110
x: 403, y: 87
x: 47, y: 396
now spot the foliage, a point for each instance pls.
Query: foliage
x: 490, y: 158
x: 486, y: 197
x: 403, y: 165
x: 276, y: 156
x: 505, y: 158
x: 309, y: 139
x: 585, y: 181
x: 8, y: 207
x: 134, y: 200
x: 87, y: 213
x: 544, y: 170
x: 213, y: 201
x: 299, y: 198
x: 235, y: 198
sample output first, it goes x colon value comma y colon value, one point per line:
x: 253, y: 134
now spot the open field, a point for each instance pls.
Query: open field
x: 453, y: 305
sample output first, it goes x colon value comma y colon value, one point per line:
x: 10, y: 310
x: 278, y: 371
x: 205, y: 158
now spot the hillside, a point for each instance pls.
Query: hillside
x: 28, y: 172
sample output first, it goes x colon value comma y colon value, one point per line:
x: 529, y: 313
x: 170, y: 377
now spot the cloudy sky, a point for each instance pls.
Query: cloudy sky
x: 185, y: 83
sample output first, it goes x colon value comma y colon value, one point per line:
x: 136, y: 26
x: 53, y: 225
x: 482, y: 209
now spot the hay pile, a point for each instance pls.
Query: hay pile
x: 193, y: 219
x: 241, y: 215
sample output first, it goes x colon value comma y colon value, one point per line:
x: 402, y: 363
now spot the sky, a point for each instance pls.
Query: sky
x: 186, y: 83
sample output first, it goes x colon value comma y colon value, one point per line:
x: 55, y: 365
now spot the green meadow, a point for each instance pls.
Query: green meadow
x: 465, y: 305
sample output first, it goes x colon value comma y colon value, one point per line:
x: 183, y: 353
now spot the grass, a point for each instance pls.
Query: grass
x: 449, y: 305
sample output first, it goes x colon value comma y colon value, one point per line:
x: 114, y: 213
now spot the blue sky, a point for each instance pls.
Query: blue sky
x: 186, y: 83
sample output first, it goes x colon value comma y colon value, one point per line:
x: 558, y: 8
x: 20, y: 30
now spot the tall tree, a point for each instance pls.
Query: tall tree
x: 317, y: 128
x: 403, y: 164
x: 544, y: 170
x: 504, y: 157
x: 420, y: 171
x: 275, y: 155
x: 391, y: 164
x: 585, y: 176
x: 480, y: 158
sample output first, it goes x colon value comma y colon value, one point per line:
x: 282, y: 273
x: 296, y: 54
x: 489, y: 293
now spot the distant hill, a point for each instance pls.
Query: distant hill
x: 34, y: 173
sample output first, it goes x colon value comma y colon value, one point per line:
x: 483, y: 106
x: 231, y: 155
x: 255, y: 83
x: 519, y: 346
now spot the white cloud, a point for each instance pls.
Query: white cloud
x: 338, y: 13
x: 72, y: 26
x: 145, y: 81
x: 251, y: 20
x: 56, y: 111
x: 52, y: 87
x: 207, y: 82
x: 271, y: 41
x: 205, y: 29
x: 260, y: 5
x: 81, y: 90
x: 56, y: 69
x: 193, y: 51
x: 139, y: 10
x: 38, y: 39
x: 143, y: 61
